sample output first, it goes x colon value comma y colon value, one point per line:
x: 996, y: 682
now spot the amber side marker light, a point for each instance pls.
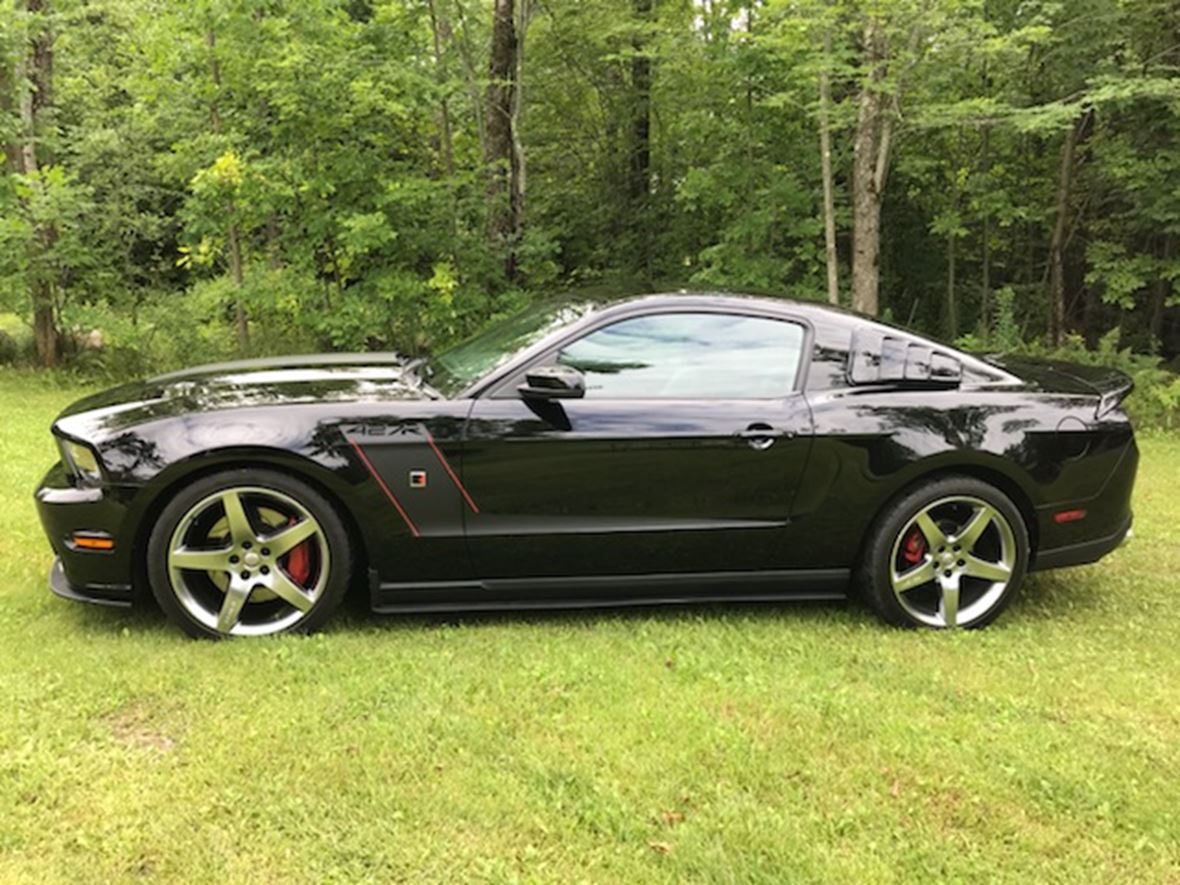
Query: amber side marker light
x: 92, y: 542
x: 1069, y: 515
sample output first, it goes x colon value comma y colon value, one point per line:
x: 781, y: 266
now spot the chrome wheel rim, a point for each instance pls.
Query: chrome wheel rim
x: 248, y: 561
x: 952, y: 562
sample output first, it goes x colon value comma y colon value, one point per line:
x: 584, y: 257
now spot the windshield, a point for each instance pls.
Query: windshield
x: 461, y: 366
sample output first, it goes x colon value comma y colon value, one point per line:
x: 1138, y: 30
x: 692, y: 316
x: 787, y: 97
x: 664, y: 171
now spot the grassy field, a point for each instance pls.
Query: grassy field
x: 759, y: 744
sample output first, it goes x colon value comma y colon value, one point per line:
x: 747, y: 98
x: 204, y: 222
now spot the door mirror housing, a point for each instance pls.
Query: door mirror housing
x: 553, y: 382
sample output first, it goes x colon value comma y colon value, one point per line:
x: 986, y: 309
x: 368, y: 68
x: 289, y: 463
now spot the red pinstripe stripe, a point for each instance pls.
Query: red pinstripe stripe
x: 389, y: 494
x: 446, y: 466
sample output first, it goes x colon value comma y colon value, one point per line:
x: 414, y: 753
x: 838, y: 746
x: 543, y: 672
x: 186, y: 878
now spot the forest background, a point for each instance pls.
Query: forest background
x: 186, y: 182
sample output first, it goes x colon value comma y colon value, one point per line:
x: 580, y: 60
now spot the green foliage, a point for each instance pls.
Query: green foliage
x: 339, y: 145
x: 50, y: 199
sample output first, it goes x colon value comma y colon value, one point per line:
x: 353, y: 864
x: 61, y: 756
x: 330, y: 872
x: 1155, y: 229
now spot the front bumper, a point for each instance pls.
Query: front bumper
x: 119, y: 597
x: 86, y: 575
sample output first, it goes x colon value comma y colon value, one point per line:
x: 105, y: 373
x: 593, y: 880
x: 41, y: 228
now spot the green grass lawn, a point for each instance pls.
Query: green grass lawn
x: 776, y: 743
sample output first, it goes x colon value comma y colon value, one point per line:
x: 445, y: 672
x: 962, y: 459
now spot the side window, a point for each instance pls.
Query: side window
x: 689, y: 356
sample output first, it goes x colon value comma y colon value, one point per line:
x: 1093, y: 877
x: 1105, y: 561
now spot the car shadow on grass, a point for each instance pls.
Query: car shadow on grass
x: 1045, y: 596
x: 357, y: 617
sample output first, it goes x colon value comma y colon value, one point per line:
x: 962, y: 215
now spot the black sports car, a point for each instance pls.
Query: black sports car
x: 668, y: 448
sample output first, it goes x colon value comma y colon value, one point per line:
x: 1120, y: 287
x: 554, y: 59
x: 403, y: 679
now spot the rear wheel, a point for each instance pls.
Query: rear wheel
x: 950, y: 553
x: 248, y: 553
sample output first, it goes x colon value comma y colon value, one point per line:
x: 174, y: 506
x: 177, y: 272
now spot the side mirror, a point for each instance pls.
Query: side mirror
x: 553, y: 382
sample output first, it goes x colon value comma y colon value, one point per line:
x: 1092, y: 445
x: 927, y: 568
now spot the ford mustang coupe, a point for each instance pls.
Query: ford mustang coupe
x: 661, y: 449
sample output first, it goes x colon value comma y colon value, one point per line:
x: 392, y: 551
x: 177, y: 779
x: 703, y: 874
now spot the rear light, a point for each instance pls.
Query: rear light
x: 1069, y: 515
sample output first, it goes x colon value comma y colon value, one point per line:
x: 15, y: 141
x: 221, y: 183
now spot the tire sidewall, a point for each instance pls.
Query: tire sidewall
x: 335, y: 533
x: 875, y: 564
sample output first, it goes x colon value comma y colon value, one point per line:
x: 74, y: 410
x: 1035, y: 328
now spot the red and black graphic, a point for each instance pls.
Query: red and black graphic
x: 399, y: 460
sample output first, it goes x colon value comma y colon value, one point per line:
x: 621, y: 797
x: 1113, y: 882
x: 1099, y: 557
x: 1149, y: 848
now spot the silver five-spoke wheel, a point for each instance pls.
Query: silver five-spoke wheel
x: 248, y: 561
x: 953, y: 561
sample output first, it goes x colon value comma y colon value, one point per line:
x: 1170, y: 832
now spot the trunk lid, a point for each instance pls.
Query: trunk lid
x: 1110, y: 386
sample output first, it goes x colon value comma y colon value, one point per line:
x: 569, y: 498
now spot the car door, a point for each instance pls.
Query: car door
x: 682, y: 456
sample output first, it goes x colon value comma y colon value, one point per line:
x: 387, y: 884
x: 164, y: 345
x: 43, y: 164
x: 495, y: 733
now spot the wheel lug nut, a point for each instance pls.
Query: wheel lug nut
x: 246, y: 545
x: 266, y: 551
x: 265, y: 570
x: 233, y: 559
x: 246, y: 575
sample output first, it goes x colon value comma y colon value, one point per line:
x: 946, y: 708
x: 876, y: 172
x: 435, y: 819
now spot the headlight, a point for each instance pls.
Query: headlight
x: 81, y: 459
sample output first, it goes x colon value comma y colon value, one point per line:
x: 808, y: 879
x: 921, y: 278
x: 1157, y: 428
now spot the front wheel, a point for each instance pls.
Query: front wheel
x: 950, y: 553
x: 248, y: 553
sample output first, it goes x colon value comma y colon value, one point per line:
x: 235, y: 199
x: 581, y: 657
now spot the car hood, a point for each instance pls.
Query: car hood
x: 244, y: 384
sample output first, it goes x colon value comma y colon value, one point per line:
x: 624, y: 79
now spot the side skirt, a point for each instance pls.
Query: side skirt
x: 611, y: 591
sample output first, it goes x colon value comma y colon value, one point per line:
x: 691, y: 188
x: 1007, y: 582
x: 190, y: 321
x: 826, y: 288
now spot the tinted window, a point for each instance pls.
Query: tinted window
x: 688, y: 356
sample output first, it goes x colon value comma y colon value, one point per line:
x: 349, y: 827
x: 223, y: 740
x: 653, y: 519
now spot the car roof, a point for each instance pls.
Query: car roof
x: 603, y: 304
x: 605, y: 301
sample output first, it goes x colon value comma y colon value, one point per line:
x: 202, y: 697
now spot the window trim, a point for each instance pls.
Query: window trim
x: 505, y: 386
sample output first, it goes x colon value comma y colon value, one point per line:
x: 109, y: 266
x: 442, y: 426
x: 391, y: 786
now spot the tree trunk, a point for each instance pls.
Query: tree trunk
x: 502, y: 151
x: 985, y: 282
x: 466, y: 55
x: 274, y: 247
x: 870, y: 163
x: 233, y: 235
x: 523, y: 11
x: 639, y: 160
x: 241, y: 324
x: 825, y: 159
x: 952, y: 306
x: 1161, y: 290
x: 1061, y: 226
x: 7, y: 91
x: 446, y: 140
x: 35, y: 80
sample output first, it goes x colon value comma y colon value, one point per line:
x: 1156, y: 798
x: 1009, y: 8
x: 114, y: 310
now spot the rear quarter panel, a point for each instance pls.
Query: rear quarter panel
x: 1045, y: 451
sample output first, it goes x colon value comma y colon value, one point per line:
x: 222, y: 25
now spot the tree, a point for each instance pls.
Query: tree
x: 351, y: 173
x: 505, y: 155
x: 831, y: 260
x: 872, y: 143
x: 34, y: 83
x: 639, y: 178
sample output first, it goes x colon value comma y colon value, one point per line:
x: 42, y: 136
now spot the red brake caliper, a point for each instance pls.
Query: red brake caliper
x: 299, y: 562
x: 914, y: 547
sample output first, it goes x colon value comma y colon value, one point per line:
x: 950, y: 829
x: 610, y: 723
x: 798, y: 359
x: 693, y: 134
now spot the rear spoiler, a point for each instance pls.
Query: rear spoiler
x: 1057, y: 376
x: 1112, y: 393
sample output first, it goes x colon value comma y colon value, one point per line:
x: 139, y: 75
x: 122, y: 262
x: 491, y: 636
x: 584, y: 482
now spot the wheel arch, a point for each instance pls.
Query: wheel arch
x: 159, y: 491
x: 998, y: 479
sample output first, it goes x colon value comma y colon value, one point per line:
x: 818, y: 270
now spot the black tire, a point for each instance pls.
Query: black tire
x: 892, y: 551
x: 184, y: 603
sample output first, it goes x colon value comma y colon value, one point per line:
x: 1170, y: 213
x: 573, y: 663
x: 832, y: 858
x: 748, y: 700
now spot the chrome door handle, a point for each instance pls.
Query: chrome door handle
x: 762, y: 436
